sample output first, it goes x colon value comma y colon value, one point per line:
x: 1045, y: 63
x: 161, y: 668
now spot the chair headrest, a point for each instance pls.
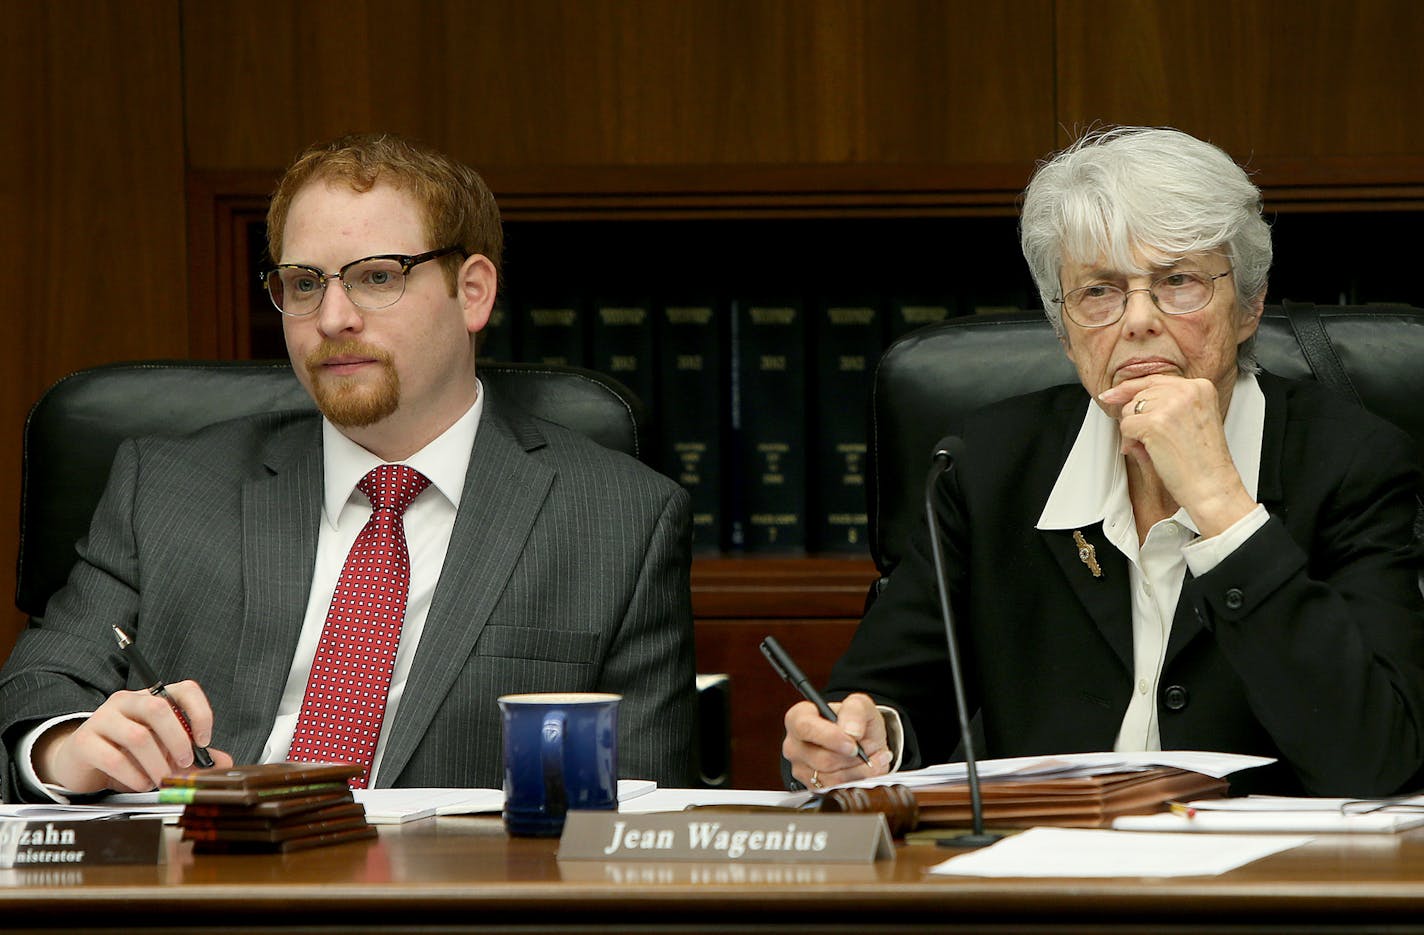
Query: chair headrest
x: 930, y: 379
x: 73, y: 431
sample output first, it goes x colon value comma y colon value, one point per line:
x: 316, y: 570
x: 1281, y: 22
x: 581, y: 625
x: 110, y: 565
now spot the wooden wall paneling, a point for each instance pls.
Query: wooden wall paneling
x: 758, y: 696
x: 784, y: 586
x: 959, y: 84
x: 609, y: 83
x: 1301, y: 79
x: 811, y: 606
x: 221, y: 208
x: 264, y: 78
x: 91, y: 173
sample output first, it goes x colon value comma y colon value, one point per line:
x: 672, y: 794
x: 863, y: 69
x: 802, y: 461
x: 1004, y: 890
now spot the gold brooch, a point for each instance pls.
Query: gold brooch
x: 1087, y: 554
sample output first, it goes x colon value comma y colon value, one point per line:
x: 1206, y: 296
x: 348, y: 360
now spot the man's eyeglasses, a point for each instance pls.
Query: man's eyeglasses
x: 1101, y: 304
x: 372, y: 283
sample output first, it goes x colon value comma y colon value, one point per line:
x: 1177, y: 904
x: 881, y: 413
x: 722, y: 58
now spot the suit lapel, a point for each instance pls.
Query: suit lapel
x: 1105, y: 598
x: 504, y: 491
x: 280, y: 513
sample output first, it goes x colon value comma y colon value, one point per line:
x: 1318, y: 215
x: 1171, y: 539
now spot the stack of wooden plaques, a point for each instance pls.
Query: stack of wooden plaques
x: 266, y: 808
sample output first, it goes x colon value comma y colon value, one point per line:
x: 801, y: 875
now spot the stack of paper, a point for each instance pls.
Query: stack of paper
x: 395, y: 806
x: 1265, y: 813
x: 1216, y: 765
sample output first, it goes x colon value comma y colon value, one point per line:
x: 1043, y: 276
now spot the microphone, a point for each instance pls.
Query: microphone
x: 947, y: 451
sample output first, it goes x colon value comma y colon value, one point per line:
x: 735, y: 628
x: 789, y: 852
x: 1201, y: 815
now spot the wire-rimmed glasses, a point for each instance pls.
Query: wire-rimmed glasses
x: 1409, y: 802
x: 1177, y: 293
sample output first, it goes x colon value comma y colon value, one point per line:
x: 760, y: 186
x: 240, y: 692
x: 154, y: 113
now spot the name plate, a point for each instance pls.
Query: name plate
x: 788, y: 837
x: 32, y: 843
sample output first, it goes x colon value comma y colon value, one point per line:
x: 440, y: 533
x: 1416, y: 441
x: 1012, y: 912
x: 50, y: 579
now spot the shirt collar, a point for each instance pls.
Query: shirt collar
x: 1095, y: 469
x: 444, y: 460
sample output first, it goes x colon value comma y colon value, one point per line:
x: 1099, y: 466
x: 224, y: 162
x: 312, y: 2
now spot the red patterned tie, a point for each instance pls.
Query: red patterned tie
x: 346, y: 693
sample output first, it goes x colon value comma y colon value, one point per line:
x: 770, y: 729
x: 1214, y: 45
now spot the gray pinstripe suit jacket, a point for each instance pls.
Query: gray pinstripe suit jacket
x: 567, y: 571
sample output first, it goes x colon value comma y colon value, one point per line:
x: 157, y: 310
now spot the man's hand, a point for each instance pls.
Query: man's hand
x: 822, y: 753
x: 1173, y: 427
x: 129, y: 744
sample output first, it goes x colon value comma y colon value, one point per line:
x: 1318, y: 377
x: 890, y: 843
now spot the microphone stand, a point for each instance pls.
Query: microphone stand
x: 977, y: 836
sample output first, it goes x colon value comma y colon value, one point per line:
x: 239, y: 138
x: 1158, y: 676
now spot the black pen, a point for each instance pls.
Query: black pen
x: 788, y: 670
x: 156, y: 687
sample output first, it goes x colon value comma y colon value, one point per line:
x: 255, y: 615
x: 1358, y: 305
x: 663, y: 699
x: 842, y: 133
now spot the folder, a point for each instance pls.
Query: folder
x: 1070, y: 802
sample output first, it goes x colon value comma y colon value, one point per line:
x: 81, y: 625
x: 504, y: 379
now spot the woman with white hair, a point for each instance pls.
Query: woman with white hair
x: 1179, y: 551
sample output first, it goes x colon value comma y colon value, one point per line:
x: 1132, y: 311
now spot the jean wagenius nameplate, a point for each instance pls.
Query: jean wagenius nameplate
x: 790, y: 837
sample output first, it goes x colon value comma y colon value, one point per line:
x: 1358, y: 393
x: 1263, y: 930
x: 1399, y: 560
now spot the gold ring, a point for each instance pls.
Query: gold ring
x: 816, y: 779
x: 1137, y: 410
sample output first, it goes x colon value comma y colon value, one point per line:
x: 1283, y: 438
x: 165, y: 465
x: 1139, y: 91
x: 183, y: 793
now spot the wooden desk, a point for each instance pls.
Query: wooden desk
x: 463, y: 874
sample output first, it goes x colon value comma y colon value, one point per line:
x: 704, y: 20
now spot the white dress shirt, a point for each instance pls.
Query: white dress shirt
x: 429, y: 521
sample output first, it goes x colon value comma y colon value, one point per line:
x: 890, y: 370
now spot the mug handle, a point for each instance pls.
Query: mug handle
x: 551, y: 754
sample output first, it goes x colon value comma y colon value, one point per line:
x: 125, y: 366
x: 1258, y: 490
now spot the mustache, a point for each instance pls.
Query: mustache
x: 330, y: 350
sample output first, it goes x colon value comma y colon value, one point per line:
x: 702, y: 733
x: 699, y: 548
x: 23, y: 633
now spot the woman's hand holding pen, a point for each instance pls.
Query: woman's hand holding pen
x: 129, y: 744
x: 822, y: 753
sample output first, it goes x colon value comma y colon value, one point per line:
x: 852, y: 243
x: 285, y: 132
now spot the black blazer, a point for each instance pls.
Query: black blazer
x: 1306, y: 644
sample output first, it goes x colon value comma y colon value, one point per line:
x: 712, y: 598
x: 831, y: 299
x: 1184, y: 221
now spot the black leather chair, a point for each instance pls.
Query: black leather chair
x: 73, y: 431
x: 928, y: 380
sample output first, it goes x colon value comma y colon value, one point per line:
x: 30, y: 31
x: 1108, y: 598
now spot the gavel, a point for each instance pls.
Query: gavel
x: 897, y: 803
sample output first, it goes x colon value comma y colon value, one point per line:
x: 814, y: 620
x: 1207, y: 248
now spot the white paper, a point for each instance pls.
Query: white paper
x: 383, y: 806
x: 675, y: 800
x: 1075, y: 852
x: 1279, y: 813
x: 1059, y: 765
x: 1286, y: 803
x: 396, y: 806
x: 133, y: 805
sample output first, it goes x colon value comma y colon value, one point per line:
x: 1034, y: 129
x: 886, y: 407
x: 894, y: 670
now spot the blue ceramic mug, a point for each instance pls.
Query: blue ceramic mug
x: 560, y: 753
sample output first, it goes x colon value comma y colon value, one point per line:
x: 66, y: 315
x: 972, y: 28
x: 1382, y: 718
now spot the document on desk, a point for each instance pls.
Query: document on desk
x: 1277, y: 814
x: 1211, y: 764
x: 57, y: 812
x: 139, y: 805
x: 1080, y: 852
x: 676, y: 800
x: 396, y: 806
x: 383, y: 806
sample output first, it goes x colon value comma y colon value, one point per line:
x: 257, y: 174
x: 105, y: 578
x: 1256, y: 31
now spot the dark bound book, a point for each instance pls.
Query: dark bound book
x: 496, y: 339
x: 849, y: 339
x: 908, y: 314
x: 769, y: 420
x: 622, y: 344
x: 691, y: 389
x: 552, y: 333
